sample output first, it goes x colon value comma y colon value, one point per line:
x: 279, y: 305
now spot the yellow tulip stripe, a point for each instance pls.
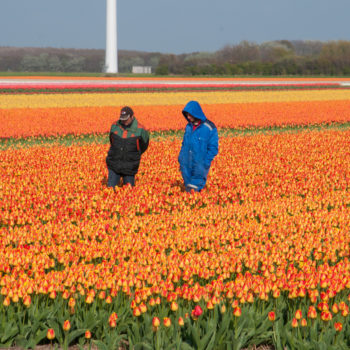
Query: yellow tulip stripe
x: 154, y: 99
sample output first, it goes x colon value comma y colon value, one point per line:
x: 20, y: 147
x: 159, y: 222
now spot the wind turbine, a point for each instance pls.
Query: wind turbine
x: 111, y: 63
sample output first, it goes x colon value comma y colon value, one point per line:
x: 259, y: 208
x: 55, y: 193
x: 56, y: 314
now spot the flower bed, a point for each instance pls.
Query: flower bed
x: 261, y: 255
x: 34, y: 115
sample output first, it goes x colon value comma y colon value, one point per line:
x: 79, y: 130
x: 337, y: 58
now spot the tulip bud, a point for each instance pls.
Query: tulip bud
x: 143, y: 308
x: 89, y: 299
x: 136, y: 312
x: 237, y: 311
x: 66, y: 325
x: 50, y: 334
x: 174, y: 306
x: 271, y: 315
x: 210, y: 305
x: 87, y: 335
x: 326, y: 316
x: 155, y: 322
x: 312, y: 313
x: 335, y: 308
x: 27, y: 301
x: 344, y: 312
x: 294, y: 323
x: 338, y: 326
x: 234, y: 304
x: 112, y: 323
x: 197, y: 311
x: 71, y: 302
x: 303, y: 322
x: 7, y: 301
x: 167, y: 321
x: 298, y: 314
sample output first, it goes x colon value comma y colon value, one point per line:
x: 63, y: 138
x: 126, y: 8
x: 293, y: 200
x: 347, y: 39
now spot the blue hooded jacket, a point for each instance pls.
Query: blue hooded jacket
x: 199, y: 147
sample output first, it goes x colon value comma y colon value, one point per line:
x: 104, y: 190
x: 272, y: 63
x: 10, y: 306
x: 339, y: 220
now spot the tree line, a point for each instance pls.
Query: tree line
x: 30, y: 59
x: 246, y: 58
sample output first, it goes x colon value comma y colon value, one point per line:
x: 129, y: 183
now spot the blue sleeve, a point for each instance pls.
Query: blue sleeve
x: 213, y: 147
x: 183, y: 159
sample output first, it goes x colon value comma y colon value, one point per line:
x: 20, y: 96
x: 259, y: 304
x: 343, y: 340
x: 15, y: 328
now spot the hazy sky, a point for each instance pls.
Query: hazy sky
x: 171, y: 26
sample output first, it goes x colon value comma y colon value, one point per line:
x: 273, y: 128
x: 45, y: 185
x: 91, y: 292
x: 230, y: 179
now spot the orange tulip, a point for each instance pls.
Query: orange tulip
x: 66, y: 325
x: 174, y: 306
x: 166, y: 321
x: 155, y: 322
x: 87, y: 334
x: 237, y: 311
x: 50, y: 334
x: 303, y: 322
x: 338, y: 326
x: 271, y: 315
x: 298, y: 314
x: 136, y: 312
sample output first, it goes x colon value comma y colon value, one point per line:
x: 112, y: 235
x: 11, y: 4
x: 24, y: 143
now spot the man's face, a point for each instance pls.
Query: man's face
x: 127, y: 122
x: 192, y: 119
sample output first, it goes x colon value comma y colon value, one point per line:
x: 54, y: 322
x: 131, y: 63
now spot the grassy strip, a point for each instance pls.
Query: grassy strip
x: 133, y: 75
x: 168, y: 89
x: 69, y: 140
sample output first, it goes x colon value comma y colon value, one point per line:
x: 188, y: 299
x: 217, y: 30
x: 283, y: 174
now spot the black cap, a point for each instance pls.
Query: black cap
x: 126, y: 113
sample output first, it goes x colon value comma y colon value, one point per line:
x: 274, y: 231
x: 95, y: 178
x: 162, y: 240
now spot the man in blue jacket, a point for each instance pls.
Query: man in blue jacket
x: 199, y: 147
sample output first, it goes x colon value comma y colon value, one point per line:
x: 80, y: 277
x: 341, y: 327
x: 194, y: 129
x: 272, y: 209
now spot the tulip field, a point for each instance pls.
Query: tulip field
x: 260, y: 257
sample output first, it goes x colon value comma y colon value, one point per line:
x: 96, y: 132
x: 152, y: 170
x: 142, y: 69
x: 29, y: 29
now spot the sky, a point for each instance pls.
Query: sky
x: 171, y: 26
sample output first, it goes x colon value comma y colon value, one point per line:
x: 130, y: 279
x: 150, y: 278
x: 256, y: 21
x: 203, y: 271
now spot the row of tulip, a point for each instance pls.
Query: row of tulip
x: 162, y: 111
x: 169, y: 98
x: 115, y: 324
x: 261, y: 255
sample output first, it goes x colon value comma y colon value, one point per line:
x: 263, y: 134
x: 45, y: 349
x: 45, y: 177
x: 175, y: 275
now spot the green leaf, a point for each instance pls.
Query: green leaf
x: 100, y: 345
x: 277, y: 338
x: 75, y: 334
x: 322, y: 346
x: 238, y: 330
x: 40, y: 336
x: 195, y: 335
x: 221, y: 333
x: 185, y: 346
x: 211, y: 332
x: 143, y: 345
x: 10, y: 331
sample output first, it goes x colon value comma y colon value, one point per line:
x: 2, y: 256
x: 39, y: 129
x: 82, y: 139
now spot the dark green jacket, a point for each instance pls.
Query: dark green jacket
x: 127, y: 145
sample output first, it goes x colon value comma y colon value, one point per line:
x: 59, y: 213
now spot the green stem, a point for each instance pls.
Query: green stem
x: 65, y: 344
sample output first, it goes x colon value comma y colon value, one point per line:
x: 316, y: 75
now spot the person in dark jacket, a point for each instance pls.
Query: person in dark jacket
x: 128, y: 141
x: 199, y: 147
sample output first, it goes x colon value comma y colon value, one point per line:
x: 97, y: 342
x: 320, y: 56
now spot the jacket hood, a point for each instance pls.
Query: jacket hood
x: 194, y: 108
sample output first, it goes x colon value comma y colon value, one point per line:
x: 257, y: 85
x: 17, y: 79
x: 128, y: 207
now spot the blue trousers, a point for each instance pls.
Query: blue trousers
x: 114, y: 179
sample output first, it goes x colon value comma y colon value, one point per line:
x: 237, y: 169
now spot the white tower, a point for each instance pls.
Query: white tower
x: 111, y: 64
